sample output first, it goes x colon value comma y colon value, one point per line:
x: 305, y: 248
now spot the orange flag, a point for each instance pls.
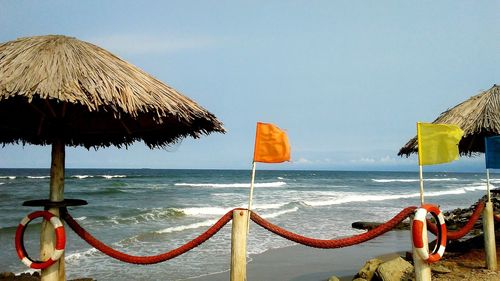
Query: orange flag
x: 271, y: 144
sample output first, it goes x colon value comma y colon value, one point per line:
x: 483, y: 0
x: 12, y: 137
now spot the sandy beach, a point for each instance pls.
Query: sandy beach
x: 301, y: 263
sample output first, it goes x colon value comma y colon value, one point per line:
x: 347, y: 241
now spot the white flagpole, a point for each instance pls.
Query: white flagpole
x: 251, y: 196
x: 422, y: 268
x: 420, y: 166
x: 421, y: 185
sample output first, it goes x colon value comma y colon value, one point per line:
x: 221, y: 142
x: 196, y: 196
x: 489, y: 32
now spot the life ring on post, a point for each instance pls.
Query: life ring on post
x: 417, y: 232
x: 60, y: 240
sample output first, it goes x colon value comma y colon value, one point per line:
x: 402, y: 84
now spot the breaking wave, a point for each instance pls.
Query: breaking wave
x: 113, y: 176
x: 82, y: 176
x: 211, y: 222
x: 412, y: 180
x: 37, y: 177
x: 356, y: 197
x: 234, y: 185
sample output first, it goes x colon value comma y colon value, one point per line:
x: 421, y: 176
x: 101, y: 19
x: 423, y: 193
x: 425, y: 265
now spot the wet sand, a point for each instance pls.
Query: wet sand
x: 301, y: 263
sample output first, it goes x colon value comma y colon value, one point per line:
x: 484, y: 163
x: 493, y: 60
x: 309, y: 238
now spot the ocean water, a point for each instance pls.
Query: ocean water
x: 146, y: 212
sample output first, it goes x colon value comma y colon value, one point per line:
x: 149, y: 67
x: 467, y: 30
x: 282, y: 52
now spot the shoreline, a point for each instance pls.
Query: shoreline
x: 302, y: 263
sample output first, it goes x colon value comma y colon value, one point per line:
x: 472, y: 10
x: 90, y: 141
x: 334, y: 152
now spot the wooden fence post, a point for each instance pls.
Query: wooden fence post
x: 239, y: 246
x: 489, y: 237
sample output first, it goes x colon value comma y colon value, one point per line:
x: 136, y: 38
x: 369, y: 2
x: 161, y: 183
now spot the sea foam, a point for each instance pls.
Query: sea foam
x: 277, y: 214
x: 38, y: 177
x: 113, y: 176
x: 343, y: 198
x: 155, y: 214
x: 211, y: 222
x: 412, y: 180
x: 196, y: 211
x: 82, y: 176
x: 233, y: 185
x: 188, y: 226
x: 474, y: 187
x: 203, y: 211
x: 74, y: 257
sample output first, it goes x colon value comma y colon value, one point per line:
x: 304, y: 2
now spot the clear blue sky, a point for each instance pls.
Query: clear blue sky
x: 348, y: 80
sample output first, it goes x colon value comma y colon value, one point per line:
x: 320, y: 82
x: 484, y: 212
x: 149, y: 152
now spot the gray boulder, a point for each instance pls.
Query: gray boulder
x: 368, y: 270
x: 394, y: 269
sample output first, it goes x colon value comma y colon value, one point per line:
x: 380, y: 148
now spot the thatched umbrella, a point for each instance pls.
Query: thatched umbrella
x: 62, y: 91
x: 478, y: 117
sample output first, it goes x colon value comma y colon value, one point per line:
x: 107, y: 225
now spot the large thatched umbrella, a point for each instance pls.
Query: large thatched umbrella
x: 478, y: 117
x: 61, y: 91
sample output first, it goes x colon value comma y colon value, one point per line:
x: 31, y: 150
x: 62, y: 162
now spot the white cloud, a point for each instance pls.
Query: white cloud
x: 384, y: 160
x: 303, y: 160
x: 364, y: 160
x: 152, y: 44
x: 388, y: 159
x: 313, y: 162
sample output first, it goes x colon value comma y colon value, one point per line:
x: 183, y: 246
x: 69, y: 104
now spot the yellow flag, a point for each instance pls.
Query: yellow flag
x: 437, y: 143
x: 271, y: 144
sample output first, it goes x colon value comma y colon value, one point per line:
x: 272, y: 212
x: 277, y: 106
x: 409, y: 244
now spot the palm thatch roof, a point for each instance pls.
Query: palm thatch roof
x: 58, y: 87
x: 478, y: 117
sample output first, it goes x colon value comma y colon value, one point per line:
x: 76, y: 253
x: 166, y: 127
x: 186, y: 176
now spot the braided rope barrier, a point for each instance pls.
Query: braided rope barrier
x: 146, y: 259
x: 311, y: 242
x: 316, y: 243
x: 334, y: 243
x: 455, y: 235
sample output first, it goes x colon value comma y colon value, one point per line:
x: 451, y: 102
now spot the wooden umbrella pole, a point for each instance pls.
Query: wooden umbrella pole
x: 56, y: 272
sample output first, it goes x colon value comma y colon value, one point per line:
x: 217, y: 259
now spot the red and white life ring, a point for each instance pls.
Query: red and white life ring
x: 60, y: 240
x: 417, y: 233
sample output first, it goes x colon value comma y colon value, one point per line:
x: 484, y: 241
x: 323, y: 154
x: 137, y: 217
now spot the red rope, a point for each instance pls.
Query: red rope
x: 316, y: 243
x: 454, y: 235
x: 146, y: 259
x: 334, y: 243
